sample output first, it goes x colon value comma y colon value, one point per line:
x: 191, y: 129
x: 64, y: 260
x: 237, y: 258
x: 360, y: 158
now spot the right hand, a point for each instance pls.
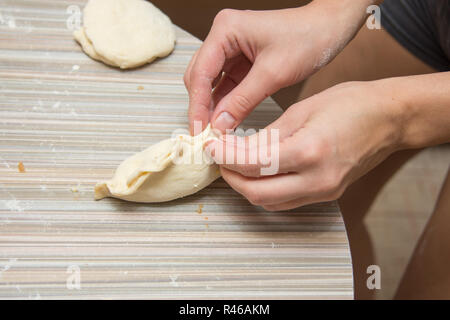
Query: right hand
x: 260, y: 52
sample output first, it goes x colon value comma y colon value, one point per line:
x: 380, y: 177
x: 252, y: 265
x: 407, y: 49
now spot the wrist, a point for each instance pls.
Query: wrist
x: 392, y: 111
x: 339, y: 21
x: 425, y: 102
x: 418, y: 105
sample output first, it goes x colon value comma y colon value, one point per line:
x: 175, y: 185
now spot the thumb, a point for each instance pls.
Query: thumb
x: 260, y: 82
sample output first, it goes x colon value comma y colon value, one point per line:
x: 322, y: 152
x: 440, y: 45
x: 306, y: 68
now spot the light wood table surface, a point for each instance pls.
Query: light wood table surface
x: 71, y: 121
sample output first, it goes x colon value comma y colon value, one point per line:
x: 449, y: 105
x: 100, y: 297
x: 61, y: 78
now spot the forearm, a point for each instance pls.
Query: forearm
x: 353, y: 11
x: 345, y: 19
x: 422, y: 105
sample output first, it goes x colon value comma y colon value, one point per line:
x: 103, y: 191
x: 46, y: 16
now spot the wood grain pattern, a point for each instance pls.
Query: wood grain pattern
x: 71, y: 121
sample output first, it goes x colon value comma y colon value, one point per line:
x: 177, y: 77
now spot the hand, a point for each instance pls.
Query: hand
x: 326, y: 142
x: 249, y: 55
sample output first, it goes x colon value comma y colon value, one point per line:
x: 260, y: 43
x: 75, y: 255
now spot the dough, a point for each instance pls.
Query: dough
x: 168, y: 170
x: 125, y: 33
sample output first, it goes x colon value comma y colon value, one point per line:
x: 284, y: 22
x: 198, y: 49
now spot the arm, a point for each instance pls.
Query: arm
x: 425, y: 108
x: 261, y: 52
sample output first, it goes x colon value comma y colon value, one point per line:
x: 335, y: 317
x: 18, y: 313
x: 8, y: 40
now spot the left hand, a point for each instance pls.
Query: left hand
x: 326, y: 142
x: 249, y: 55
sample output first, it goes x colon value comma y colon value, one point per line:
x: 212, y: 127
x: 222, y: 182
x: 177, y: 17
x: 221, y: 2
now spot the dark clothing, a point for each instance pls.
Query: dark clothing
x: 422, y: 27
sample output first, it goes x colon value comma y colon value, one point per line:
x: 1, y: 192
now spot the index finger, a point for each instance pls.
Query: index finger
x: 207, y: 66
x: 256, y: 155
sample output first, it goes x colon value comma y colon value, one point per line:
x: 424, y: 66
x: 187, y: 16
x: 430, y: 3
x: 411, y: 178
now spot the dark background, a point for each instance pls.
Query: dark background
x: 196, y: 16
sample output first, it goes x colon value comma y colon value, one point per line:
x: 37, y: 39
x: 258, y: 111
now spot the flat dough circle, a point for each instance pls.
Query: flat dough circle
x: 156, y: 174
x: 125, y: 33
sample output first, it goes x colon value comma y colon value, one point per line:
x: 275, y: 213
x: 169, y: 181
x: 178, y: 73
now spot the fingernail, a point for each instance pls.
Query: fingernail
x: 224, y: 121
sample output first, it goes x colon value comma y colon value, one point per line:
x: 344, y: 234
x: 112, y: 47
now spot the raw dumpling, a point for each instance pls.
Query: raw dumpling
x: 125, y: 33
x: 168, y: 170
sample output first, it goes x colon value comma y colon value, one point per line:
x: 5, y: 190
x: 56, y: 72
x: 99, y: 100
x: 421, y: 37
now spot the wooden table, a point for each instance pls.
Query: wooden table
x: 71, y: 121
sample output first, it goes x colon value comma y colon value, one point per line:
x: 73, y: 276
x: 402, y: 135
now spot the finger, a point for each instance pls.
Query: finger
x: 259, y: 154
x: 217, y: 79
x: 292, y: 120
x: 237, y: 68
x: 300, y: 202
x: 187, y: 73
x: 225, y: 85
x: 202, y: 74
x: 265, y: 190
x: 234, y: 71
x: 207, y: 67
x: 239, y: 103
